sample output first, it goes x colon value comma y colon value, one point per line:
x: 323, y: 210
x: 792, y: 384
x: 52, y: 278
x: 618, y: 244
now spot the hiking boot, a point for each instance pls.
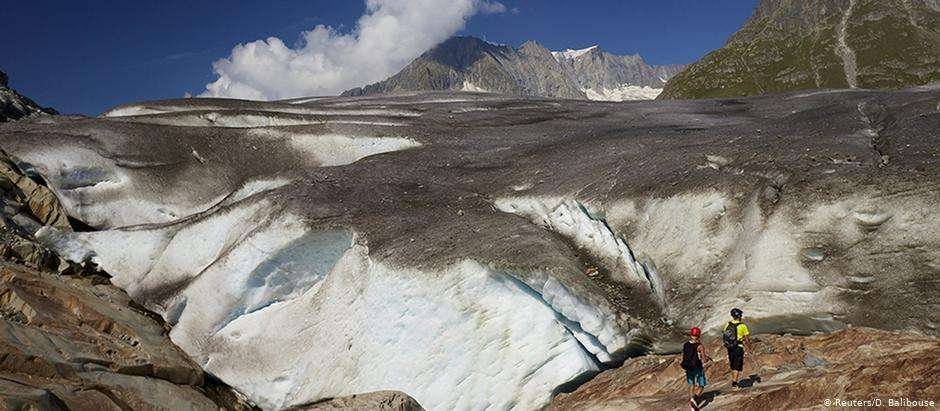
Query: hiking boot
x: 734, y: 384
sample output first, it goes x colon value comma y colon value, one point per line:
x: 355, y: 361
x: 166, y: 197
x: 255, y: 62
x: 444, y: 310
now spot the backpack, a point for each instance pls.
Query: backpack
x: 690, y: 360
x: 730, y: 336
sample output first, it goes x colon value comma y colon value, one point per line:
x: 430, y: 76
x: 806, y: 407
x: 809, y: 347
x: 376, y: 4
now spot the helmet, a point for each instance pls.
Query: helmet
x: 695, y: 332
x: 736, y: 313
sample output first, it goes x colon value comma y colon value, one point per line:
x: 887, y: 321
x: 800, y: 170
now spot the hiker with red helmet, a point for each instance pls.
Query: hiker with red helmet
x: 693, y: 362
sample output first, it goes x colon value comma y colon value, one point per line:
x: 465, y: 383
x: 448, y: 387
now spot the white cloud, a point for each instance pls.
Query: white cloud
x: 492, y: 8
x: 325, y: 62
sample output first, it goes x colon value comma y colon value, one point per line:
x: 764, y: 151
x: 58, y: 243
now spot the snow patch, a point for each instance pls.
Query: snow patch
x: 224, y: 119
x: 366, y: 123
x: 625, y: 92
x: 143, y: 110
x: 569, y: 54
x: 468, y: 86
x: 305, y: 100
x: 328, y: 150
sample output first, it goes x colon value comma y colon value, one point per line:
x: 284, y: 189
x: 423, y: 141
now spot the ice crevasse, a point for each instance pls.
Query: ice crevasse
x: 289, y: 313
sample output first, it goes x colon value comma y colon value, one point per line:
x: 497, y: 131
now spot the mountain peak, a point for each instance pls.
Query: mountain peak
x: 472, y: 64
x: 461, y: 51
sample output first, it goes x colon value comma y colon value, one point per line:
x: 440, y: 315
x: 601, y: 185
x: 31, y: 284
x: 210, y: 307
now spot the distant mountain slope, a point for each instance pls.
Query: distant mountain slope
x: 471, y: 64
x: 14, y: 106
x: 797, y: 44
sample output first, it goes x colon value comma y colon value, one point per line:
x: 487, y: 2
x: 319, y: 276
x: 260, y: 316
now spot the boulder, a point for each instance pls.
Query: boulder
x: 378, y: 401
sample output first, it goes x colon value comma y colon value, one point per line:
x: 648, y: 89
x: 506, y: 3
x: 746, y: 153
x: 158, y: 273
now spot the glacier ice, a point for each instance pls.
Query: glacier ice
x: 450, y: 263
x: 250, y: 288
x: 572, y: 220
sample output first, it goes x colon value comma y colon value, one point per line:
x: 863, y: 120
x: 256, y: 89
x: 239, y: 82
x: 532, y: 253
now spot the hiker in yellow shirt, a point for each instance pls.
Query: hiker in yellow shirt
x: 737, y: 341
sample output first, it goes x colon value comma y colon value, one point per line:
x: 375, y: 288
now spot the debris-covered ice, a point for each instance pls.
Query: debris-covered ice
x: 478, y: 251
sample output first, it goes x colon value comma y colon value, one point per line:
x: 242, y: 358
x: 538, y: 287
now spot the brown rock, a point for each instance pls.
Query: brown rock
x: 16, y: 396
x: 39, y: 200
x: 71, y: 342
x: 378, y: 400
x: 785, y: 372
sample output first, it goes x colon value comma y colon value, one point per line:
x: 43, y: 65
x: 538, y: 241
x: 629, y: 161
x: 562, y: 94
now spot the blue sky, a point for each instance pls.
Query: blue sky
x: 84, y: 57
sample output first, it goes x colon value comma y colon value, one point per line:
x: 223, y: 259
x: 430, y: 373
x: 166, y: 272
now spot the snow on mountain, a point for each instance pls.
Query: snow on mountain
x: 468, y: 86
x: 569, y: 54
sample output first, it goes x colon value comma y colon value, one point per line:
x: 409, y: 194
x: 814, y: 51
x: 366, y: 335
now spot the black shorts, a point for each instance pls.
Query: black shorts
x: 736, y: 358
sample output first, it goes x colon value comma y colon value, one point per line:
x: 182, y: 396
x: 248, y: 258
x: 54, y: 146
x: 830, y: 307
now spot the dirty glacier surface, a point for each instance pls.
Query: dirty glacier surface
x: 477, y: 251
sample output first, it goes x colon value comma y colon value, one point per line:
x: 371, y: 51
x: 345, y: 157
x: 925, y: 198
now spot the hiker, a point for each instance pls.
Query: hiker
x: 693, y: 362
x: 737, y: 341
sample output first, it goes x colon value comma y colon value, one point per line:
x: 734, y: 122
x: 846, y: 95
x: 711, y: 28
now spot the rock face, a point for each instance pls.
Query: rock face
x: 14, y: 106
x: 378, y: 401
x: 785, y: 372
x: 71, y: 340
x: 39, y: 202
x: 471, y: 64
x: 793, y: 44
x: 493, y: 251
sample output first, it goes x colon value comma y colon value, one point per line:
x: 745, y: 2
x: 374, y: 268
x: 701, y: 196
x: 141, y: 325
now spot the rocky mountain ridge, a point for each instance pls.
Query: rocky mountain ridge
x: 14, y: 106
x: 471, y: 64
x: 793, y: 44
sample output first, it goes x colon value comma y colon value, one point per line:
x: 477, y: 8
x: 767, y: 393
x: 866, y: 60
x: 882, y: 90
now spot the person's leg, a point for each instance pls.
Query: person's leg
x: 736, y: 358
x: 738, y: 363
x: 701, y: 384
x: 734, y: 373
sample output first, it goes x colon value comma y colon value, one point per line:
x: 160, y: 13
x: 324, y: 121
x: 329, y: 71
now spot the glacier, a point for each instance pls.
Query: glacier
x: 480, y: 251
x: 243, y: 285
